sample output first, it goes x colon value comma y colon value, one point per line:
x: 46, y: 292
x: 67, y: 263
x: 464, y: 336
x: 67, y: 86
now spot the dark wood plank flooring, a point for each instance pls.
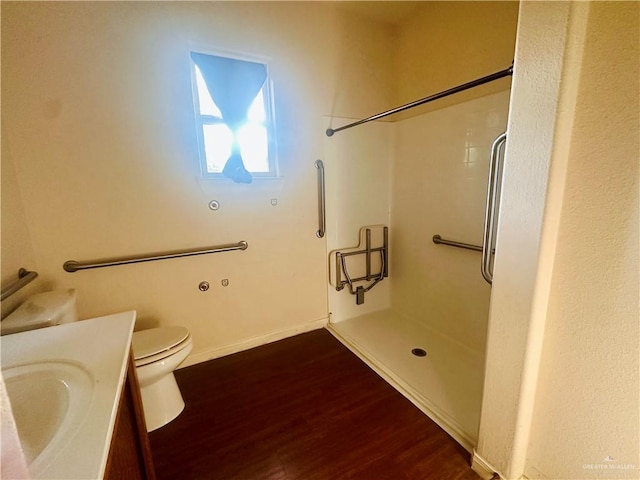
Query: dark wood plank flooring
x: 303, y: 408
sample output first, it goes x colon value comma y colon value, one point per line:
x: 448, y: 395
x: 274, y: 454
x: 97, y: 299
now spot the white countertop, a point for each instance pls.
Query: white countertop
x: 100, y: 347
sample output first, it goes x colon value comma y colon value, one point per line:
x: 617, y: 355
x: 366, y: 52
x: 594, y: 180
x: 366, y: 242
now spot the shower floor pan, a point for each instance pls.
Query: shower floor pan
x: 446, y: 384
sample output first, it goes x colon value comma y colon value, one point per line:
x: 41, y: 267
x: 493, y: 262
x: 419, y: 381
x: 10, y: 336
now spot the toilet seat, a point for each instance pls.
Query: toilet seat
x: 158, y: 343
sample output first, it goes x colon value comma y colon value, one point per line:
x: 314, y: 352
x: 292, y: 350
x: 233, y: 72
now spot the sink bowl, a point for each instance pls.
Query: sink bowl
x: 64, y: 383
x: 49, y: 402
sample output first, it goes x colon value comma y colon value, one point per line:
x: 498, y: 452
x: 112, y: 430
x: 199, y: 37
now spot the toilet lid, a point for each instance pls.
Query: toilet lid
x: 156, y: 340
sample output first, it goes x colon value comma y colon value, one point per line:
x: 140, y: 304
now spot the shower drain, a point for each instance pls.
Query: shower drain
x: 419, y: 352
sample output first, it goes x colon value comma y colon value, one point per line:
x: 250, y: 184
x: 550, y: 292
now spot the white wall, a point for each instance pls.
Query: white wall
x: 358, y: 180
x: 98, y: 122
x: 440, y: 187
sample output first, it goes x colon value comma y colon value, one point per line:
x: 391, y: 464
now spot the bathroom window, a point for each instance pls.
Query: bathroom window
x: 233, y: 117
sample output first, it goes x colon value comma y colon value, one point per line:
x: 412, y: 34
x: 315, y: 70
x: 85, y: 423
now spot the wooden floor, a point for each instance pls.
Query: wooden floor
x: 303, y: 408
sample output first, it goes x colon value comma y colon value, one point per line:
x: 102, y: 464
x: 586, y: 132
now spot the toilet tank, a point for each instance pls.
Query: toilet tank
x: 42, y: 310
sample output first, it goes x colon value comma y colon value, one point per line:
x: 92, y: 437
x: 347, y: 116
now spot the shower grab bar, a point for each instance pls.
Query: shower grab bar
x: 495, y: 171
x: 438, y: 240
x: 322, y: 222
x: 73, y: 266
x: 24, y: 278
x: 460, y: 88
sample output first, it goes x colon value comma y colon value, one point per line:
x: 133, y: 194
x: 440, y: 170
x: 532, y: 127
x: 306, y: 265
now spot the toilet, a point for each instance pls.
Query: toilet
x: 157, y: 351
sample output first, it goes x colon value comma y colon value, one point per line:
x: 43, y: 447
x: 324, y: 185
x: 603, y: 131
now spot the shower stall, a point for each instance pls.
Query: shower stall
x: 390, y: 189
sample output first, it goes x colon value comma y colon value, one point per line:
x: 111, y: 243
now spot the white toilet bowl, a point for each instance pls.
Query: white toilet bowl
x: 158, y: 352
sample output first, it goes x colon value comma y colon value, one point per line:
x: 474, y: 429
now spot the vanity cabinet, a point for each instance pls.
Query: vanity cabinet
x: 130, y: 451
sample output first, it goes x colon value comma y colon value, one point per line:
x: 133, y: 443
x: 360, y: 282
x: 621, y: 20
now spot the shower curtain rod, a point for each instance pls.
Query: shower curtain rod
x: 474, y: 83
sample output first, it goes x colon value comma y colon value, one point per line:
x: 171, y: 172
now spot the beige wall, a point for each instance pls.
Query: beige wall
x: 18, y: 252
x: 445, y: 44
x: 97, y: 119
x: 587, y: 399
x: 561, y: 386
x: 521, y: 274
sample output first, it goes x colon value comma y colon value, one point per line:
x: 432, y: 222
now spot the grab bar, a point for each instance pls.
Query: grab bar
x: 24, y: 278
x: 73, y: 266
x: 322, y: 222
x: 491, y: 206
x: 437, y: 239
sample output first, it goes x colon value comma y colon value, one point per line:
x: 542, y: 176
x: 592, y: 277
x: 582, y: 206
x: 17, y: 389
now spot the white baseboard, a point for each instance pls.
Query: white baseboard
x: 252, y: 342
x: 482, y: 467
x: 485, y: 469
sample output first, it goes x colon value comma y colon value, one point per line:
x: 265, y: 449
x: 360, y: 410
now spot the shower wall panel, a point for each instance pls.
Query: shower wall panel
x: 439, y: 187
x: 358, y: 166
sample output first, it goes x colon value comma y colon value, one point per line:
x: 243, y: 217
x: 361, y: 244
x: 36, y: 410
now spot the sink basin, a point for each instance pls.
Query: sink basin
x: 49, y: 402
x: 64, y: 383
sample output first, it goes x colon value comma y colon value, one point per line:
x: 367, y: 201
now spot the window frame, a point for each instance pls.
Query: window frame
x: 201, y: 119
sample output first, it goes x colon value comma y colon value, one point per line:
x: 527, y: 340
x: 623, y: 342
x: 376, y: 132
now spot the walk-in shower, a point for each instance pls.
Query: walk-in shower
x: 424, y: 180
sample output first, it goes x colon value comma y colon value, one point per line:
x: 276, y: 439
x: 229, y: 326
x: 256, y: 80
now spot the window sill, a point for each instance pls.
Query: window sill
x: 223, y: 179
x: 259, y: 184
